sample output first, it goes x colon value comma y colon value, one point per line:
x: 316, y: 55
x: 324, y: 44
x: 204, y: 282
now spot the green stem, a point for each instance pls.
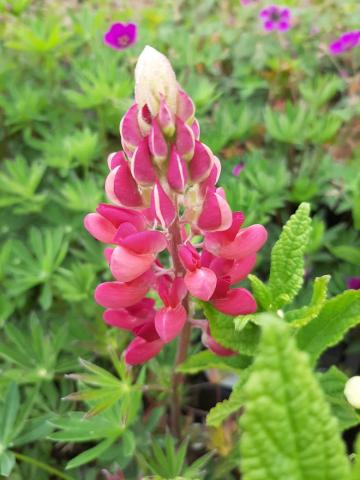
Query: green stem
x: 41, y: 465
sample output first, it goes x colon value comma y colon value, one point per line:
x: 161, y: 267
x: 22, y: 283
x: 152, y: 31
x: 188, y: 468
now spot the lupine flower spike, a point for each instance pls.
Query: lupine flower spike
x: 275, y: 18
x: 163, y: 192
x: 120, y: 36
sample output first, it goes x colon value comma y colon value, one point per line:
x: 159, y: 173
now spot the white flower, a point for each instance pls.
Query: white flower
x: 352, y: 391
x: 154, y: 77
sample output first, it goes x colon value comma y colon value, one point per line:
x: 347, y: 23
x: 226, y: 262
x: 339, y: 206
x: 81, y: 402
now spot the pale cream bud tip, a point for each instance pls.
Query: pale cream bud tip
x: 154, y: 77
x: 352, y: 391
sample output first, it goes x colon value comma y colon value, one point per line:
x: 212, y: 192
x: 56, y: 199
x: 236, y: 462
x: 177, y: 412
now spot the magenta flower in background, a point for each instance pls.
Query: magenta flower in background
x: 353, y: 283
x: 238, y: 168
x: 276, y: 18
x: 121, y: 35
x: 247, y: 2
x: 347, y: 41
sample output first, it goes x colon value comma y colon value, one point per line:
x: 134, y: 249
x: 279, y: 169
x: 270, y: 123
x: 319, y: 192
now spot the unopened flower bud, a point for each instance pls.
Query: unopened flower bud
x: 166, y: 118
x: 154, y: 77
x: 352, y: 391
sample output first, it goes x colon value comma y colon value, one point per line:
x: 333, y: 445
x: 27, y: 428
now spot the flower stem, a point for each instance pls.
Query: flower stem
x: 42, y: 466
x: 184, y: 340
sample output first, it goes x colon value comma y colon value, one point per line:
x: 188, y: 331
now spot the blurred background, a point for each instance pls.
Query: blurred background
x: 279, y: 109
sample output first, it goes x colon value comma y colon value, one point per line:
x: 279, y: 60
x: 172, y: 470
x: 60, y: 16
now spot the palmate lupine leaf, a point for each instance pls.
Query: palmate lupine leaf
x: 287, y: 258
x: 288, y: 430
x: 338, y: 315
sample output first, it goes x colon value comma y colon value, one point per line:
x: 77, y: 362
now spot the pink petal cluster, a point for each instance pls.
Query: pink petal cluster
x: 163, y: 192
x: 347, y: 41
x: 276, y: 18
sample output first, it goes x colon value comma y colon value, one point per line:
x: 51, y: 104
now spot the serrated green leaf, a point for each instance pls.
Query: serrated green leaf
x: 287, y: 258
x: 261, y: 291
x: 223, y: 330
x: 302, y: 316
x: 356, y: 467
x: 333, y: 383
x: 203, y: 360
x: 224, y: 409
x: 338, y: 315
x: 288, y: 430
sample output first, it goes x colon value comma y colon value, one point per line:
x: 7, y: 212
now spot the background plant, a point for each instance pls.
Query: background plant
x: 280, y: 105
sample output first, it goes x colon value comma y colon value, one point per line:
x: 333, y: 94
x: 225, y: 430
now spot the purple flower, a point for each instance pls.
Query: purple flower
x: 353, y: 283
x: 345, y: 42
x: 239, y: 167
x: 120, y: 35
x: 247, y: 2
x: 275, y: 18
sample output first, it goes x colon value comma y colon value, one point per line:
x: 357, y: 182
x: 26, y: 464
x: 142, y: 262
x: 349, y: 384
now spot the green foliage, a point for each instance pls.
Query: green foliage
x: 338, y: 315
x: 168, y: 462
x: 204, y: 360
x: 223, y: 330
x: 333, y: 383
x: 263, y: 100
x: 287, y: 258
x: 285, y: 411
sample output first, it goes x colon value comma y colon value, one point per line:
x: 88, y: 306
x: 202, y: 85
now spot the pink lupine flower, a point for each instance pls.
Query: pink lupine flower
x: 347, y: 41
x: 276, y: 18
x: 121, y: 35
x: 163, y: 192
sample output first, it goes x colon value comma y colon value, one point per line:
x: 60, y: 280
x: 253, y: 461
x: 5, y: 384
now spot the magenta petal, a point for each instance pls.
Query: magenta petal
x: 142, y: 167
x: 177, y: 175
x: 126, y: 265
x: 99, y: 227
x: 150, y: 241
x: 185, y: 140
x: 162, y: 207
x: 195, y: 127
x: 268, y: 25
x: 115, y: 159
x: 216, y: 214
x: 247, y: 242
x: 169, y: 322
x: 129, y: 129
x: 140, y: 351
x: 283, y: 26
x: 166, y: 118
x: 121, y: 295
x: 201, y: 163
x: 215, y: 347
x: 118, y: 215
x: 242, y: 268
x: 125, y: 187
x: 107, y: 254
x: 201, y: 283
x: 157, y: 143
x: 238, y: 301
x: 185, y: 107
x: 121, y: 319
x: 189, y: 257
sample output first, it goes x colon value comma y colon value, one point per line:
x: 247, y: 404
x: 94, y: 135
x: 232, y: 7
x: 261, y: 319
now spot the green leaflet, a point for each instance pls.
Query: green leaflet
x: 261, y: 291
x: 356, y: 468
x: 333, y: 384
x: 203, y: 360
x: 287, y: 258
x: 289, y: 433
x: 338, y: 315
x: 224, y: 409
x: 302, y: 316
x: 223, y: 330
